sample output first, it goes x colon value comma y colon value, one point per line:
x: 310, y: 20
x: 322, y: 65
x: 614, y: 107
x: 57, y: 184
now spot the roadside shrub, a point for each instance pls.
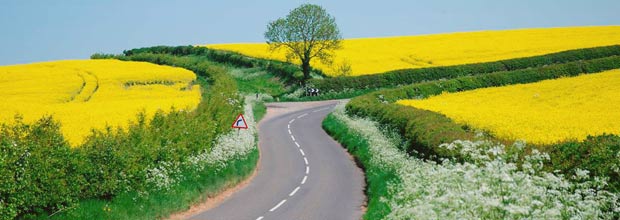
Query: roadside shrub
x: 491, y: 182
x: 173, y: 185
x: 598, y: 154
x: 42, y: 174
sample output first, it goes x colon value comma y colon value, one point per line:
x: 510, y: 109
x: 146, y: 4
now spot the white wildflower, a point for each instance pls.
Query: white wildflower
x: 227, y: 147
x: 581, y: 174
x: 231, y: 145
x: 296, y: 94
x: 486, y: 188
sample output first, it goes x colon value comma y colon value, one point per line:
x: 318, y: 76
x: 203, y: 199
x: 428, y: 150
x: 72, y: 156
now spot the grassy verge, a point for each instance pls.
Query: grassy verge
x: 376, y: 178
x: 259, y: 86
x: 257, y: 80
x: 259, y: 110
x: 494, y: 182
x: 196, y: 187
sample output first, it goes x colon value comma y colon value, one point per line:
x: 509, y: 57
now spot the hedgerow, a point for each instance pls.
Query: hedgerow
x: 286, y: 71
x: 409, y: 76
x: 426, y: 130
x: 493, y: 182
x: 42, y: 174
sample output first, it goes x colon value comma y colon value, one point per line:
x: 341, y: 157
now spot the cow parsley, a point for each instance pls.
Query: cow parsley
x: 230, y: 146
x: 489, y: 185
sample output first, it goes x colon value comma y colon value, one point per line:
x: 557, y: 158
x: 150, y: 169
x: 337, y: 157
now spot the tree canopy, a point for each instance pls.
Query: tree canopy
x: 307, y: 32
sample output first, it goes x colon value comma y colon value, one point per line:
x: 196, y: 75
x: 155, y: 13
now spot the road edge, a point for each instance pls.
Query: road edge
x: 209, y: 202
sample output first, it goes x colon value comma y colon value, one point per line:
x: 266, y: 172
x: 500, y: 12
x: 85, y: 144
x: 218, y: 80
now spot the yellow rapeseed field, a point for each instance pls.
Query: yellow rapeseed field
x: 378, y: 55
x: 85, y: 94
x: 545, y: 112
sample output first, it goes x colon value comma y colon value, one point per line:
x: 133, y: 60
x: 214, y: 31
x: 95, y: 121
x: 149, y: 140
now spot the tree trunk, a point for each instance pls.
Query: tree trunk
x: 305, y: 68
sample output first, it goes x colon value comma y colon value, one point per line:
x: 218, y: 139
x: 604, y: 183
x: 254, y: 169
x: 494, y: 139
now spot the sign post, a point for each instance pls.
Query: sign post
x: 240, y: 123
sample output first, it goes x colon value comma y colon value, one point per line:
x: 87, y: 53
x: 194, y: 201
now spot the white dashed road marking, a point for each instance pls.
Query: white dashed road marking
x: 278, y: 205
x: 294, y: 191
x: 318, y: 110
x: 303, y: 181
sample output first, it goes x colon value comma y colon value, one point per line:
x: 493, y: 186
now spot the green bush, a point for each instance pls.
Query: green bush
x: 424, y: 129
x: 39, y: 170
x: 409, y: 76
x: 598, y: 154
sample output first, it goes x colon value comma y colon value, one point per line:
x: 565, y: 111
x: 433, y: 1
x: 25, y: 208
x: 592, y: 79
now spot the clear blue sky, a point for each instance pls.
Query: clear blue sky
x: 73, y: 29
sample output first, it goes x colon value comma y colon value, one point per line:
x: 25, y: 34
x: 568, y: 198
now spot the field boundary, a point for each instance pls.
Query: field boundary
x: 395, y: 78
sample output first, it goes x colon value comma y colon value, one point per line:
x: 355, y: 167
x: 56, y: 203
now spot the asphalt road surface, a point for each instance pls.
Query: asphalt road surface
x: 302, y: 174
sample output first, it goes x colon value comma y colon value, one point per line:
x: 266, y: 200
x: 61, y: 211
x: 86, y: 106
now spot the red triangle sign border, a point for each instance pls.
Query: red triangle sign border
x: 245, y: 125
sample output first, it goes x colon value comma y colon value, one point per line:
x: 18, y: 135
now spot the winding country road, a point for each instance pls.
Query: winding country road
x: 302, y: 174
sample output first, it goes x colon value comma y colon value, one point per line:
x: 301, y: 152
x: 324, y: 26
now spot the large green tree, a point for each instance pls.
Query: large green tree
x: 307, y: 32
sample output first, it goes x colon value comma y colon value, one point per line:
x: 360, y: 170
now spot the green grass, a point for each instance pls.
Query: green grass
x: 195, y: 188
x: 251, y: 81
x: 259, y: 110
x: 257, y: 80
x: 376, y: 178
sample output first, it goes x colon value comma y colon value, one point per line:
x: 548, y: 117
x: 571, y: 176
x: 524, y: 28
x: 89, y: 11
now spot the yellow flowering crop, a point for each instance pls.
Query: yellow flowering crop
x: 85, y: 94
x: 378, y: 55
x: 545, y: 112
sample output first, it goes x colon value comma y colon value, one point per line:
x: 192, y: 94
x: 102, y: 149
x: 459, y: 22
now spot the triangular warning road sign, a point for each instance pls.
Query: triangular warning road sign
x: 240, y: 122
